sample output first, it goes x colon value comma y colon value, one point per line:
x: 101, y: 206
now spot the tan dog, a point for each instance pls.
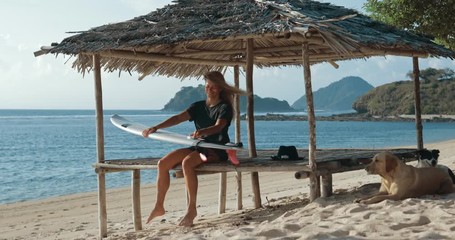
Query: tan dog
x: 400, y: 181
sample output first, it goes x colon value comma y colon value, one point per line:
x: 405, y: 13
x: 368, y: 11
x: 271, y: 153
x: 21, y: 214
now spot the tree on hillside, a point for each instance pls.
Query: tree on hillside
x: 431, y: 74
x: 428, y: 17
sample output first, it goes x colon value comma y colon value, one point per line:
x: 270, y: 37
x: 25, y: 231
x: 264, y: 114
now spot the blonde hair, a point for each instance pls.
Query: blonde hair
x: 228, y: 91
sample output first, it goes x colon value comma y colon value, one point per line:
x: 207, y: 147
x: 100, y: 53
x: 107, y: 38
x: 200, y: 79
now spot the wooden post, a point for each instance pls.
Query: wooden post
x: 238, y: 176
x: 222, y: 193
x: 418, y: 114
x: 326, y: 185
x: 102, y: 212
x: 250, y: 120
x: 136, y: 196
x: 314, y: 186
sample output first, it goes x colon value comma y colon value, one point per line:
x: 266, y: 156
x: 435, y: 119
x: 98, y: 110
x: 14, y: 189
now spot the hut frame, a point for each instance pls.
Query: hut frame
x: 250, y: 33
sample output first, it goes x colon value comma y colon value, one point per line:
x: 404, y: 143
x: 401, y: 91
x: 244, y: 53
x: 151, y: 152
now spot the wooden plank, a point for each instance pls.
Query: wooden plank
x: 329, y: 161
x: 327, y: 158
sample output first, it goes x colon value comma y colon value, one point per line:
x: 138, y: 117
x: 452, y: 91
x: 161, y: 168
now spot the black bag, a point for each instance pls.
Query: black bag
x: 289, y: 151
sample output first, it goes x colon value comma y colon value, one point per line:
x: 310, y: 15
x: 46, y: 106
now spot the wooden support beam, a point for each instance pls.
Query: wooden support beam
x: 136, y: 199
x: 250, y: 114
x: 291, y: 36
x: 405, y: 53
x: 321, y: 56
x: 193, y: 52
x: 334, y: 64
x: 102, y: 212
x: 418, y: 114
x: 314, y: 186
x: 122, y: 54
x: 238, y: 139
x: 326, y: 181
x: 222, y: 193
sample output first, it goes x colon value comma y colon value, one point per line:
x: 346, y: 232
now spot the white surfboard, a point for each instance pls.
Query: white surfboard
x: 167, y: 136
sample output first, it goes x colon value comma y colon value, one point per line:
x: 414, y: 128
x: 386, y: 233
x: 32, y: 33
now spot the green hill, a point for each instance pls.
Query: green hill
x: 188, y: 95
x: 337, y: 96
x: 437, y: 97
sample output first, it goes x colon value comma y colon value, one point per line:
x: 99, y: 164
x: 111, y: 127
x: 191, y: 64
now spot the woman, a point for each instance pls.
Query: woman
x: 212, y: 118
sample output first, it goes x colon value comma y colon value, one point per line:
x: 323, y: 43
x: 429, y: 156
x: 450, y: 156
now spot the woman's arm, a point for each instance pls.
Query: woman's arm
x: 172, y: 121
x: 219, y: 125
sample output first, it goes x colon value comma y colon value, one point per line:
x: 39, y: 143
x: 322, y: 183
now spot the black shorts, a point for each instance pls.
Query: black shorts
x: 212, y: 154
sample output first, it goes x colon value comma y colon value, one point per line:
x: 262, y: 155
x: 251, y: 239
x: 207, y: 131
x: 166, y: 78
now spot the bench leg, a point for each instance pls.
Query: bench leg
x: 102, y: 212
x: 136, y: 196
x: 238, y: 177
x: 315, y: 190
x: 222, y: 194
x: 256, y: 189
x: 326, y: 185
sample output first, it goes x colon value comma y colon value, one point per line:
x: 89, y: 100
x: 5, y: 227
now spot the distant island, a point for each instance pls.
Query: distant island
x: 389, y: 102
x: 338, y: 96
x: 188, y: 95
x: 359, y: 117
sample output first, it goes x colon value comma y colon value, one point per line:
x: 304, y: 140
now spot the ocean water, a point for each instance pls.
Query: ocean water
x: 45, y: 153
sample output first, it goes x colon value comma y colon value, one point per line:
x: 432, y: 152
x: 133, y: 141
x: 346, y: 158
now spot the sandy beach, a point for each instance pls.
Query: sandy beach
x: 286, y: 212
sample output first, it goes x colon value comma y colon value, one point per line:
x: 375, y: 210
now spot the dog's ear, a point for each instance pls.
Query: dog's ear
x: 390, y: 163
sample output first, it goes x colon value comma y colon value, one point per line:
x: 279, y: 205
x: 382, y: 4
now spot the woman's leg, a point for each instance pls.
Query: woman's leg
x: 188, y: 165
x: 163, y: 179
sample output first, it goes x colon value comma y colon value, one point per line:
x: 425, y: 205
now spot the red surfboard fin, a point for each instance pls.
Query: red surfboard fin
x: 232, y: 154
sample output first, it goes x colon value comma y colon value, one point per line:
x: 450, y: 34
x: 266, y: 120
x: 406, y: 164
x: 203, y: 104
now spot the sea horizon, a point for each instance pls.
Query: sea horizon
x: 49, y: 153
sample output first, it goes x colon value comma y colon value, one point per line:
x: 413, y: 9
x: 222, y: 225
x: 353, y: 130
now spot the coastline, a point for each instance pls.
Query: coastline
x: 286, y: 211
x: 359, y: 117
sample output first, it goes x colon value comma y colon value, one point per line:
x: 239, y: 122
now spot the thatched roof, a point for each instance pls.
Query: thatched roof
x: 192, y: 36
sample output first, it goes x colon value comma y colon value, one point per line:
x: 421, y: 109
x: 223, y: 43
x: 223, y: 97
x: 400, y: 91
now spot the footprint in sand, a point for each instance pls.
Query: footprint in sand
x: 292, y: 227
x: 367, y: 215
x: 356, y: 209
x: 420, y: 222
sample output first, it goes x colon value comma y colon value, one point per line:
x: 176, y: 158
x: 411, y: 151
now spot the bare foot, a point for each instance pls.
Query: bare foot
x: 188, y: 219
x: 156, y: 212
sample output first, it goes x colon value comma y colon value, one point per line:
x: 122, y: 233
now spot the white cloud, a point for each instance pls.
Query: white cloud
x: 440, y: 63
x: 41, y: 67
x: 5, y: 36
x: 22, y: 47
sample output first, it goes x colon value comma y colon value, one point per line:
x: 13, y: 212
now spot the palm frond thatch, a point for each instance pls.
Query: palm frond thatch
x: 190, y: 37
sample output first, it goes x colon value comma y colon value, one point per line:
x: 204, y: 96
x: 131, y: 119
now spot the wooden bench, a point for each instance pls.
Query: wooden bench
x: 329, y: 161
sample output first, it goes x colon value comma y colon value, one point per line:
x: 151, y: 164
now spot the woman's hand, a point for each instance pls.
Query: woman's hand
x: 197, y: 134
x: 149, y: 131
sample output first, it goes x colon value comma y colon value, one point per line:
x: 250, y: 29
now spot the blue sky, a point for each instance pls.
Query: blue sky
x: 49, y: 82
